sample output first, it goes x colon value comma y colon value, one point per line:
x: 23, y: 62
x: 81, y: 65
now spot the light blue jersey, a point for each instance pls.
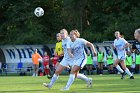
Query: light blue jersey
x: 80, y: 57
x: 119, y: 45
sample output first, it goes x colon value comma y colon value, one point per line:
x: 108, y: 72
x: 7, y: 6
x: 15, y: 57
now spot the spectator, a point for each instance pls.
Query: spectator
x: 54, y: 61
x: 46, y: 62
x: 110, y: 62
x: 129, y: 61
x: 89, y: 64
x: 35, y: 58
x: 138, y: 60
x: 100, y: 59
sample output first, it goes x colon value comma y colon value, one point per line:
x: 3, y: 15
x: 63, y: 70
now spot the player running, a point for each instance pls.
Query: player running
x: 77, y: 52
x: 121, y: 44
x: 66, y: 61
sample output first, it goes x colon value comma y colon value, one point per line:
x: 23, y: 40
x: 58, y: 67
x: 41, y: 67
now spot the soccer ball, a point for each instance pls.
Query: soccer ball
x: 39, y: 12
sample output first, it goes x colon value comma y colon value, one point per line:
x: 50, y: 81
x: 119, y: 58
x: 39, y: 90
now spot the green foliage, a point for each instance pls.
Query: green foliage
x: 96, y: 20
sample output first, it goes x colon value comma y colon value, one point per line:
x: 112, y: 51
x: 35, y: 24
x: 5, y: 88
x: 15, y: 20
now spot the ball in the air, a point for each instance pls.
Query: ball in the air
x: 39, y: 12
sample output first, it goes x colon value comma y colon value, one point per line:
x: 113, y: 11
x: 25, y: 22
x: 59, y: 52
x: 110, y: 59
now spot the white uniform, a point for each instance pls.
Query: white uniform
x: 80, y: 57
x: 67, y: 60
x: 119, y: 45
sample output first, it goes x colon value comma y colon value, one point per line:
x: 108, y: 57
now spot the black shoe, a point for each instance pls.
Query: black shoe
x: 123, y: 75
x: 132, y: 77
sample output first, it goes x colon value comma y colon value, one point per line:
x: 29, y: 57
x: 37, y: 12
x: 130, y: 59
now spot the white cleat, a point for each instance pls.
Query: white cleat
x: 47, y: 85
x: 89, y: 83
x: 36, y: 75
x: 64, y: 89
x: 33, y: 75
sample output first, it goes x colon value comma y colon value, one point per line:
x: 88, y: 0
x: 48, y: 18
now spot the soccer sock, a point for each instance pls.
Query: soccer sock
x: 119, y: 69
x: 82, y: 76
x: 54, y: 78
x: 128, y: 72
x: 71, y: 80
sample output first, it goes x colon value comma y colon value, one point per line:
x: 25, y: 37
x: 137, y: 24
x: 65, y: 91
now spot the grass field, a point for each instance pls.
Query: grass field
x: 101, y: 84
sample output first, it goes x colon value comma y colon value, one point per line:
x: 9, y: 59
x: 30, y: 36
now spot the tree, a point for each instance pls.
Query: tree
x: 96, y: 20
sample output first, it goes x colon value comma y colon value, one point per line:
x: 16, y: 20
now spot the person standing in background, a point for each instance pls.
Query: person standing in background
x: 46, y: 62
x: 58, y: 49
x: 129, y: 61
x: 137, y: 60
x: 100, y: 59
x: 35, y: 58
x: 110, y: 62
x: 89, y: 64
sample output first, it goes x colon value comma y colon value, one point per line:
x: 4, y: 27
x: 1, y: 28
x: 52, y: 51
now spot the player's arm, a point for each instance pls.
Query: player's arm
x: 70, y: 52
x: 88, y: 44
x: 126, y: 44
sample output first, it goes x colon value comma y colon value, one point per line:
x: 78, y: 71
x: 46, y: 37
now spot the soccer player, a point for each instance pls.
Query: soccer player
x: 66, y: 61
x: 77, y: 51
x: 136, y: 43
x: 35, y: 59
x: 121, y: 44
x: 58, y: 49
x: 137, y: 34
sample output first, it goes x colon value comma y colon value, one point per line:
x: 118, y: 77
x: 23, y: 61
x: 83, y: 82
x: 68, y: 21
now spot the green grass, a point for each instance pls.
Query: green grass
x: 101, y: 84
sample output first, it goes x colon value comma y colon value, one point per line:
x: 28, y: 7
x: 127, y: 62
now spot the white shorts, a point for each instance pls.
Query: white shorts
x: 121, y: 57
x: 67, y: 62
x: 80, y: 62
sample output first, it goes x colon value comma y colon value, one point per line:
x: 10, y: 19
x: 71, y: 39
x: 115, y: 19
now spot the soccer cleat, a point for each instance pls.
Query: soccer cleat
x: 89, y: 83
x: 33, y: 75
x: 123, y: 75
x: 131, y: 77
x: 47, y: 85
x: 36, y: 75
x: 64, y: 89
